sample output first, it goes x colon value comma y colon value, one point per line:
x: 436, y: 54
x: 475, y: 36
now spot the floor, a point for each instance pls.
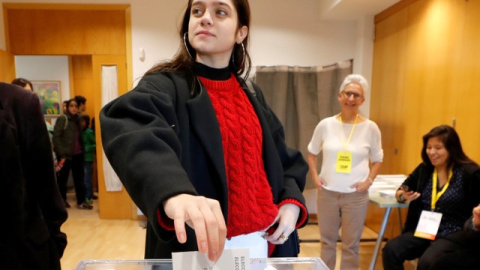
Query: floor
x: 92, y: 238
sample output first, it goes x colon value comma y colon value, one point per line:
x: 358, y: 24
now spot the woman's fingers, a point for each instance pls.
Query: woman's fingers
x: 204, y: 216
x: 287, y: 219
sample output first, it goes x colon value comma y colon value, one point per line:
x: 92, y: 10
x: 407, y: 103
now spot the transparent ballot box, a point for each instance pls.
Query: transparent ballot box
x: 255, y: 264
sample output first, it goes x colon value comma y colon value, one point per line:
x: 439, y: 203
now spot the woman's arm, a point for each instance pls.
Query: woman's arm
x: 312, y: 164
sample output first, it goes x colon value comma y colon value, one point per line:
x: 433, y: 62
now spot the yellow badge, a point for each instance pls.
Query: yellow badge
x: 344, y: 162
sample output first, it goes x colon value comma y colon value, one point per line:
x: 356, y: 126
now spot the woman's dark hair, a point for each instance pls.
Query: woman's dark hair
x: 85, y: 118
x: 80, y: 100
x: 183, y: 62
x: 68, y: 104
x: 451, y: 141
x: 22, y: 82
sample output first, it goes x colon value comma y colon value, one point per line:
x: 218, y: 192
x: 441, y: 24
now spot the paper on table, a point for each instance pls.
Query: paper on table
x: 194, y: 260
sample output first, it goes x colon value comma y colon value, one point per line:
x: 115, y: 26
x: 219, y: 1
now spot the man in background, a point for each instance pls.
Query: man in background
x: 33, y: 210
x: 82, y: 104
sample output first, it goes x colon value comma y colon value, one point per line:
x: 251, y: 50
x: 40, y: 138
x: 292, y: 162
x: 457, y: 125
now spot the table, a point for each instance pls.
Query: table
x: 388, y: 204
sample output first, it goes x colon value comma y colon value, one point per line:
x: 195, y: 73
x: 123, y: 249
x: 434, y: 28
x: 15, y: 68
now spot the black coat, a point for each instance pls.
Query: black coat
x: 162, y: 142
x: 32, y: 208
x: 419, y: 178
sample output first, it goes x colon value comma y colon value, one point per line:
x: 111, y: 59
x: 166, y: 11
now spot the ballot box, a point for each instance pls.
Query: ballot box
x: 255, y: 264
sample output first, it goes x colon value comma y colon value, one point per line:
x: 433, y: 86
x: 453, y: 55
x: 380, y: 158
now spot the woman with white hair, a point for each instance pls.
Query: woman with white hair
x: 352, y: 156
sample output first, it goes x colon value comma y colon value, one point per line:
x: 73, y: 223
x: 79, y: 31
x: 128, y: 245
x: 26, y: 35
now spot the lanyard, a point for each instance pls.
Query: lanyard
x: 351, y: 132
x: 436, y: 196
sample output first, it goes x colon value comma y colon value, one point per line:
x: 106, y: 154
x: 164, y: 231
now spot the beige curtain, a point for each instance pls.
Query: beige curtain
x: 301, y: 97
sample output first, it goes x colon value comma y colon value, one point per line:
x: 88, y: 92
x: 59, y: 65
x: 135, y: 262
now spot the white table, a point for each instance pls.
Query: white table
x: 388, y: 203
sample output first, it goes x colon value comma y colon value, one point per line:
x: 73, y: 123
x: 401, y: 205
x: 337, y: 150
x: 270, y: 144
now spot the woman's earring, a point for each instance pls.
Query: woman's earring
x: 243, y: 58
x: 244, y: 53
x: 185, y: 43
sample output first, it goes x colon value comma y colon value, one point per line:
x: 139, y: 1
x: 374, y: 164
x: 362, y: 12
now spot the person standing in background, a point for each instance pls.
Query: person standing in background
x: 23, y: 83
x: 69, y: 148
x: 89, y: 143
x: 350, y: 143
x: 82, y: 104
x: 33, y: 209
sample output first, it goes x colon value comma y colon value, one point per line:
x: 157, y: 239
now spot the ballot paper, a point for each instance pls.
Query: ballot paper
x: 235, y: 259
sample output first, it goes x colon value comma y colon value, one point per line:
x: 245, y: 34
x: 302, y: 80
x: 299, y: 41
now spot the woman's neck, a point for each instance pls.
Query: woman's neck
x: 349, y: 117
x: 442, y: 174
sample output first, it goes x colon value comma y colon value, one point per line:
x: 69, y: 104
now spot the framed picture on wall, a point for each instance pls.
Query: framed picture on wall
x: 49, y: 94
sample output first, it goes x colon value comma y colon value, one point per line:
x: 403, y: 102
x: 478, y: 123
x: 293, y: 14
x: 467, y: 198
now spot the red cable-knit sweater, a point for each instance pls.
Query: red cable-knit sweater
x: 241, y: 132
x: 250, y: 200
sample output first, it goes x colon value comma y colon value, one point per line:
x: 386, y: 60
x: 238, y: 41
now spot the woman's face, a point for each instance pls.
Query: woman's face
x: 437, y: 153
x: 351, y: 97
x: 212, y: 31
x: 73, y: 108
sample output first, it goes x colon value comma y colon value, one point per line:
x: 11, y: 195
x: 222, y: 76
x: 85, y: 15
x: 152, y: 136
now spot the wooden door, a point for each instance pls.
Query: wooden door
x: 114, y: 205
x: 7, y: 67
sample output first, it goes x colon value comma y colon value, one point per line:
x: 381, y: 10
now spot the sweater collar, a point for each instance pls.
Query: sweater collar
x: 218, y: 74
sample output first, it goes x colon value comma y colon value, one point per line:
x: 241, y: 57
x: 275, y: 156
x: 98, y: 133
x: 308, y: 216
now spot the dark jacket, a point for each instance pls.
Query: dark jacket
x: 162, y: 142
x: 32, y: 208
x: 64, y: 136
x: 419, y: 178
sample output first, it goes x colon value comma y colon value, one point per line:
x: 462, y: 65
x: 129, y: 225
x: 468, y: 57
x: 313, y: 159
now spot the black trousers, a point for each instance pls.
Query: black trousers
x: 442, y: 253
x: 78, y: 173
x: 459, y: 250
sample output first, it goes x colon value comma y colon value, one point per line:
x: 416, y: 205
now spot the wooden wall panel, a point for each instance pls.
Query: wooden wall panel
x: 7, y: 67
x: 425, y: 70
x: 468, y: 87
x: 387, y: 85
x: 425, y: 53
x: 66, y: 32
x: 82, y: 78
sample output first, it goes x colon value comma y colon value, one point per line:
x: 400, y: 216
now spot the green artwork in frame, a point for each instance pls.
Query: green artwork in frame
x: 49, y: 94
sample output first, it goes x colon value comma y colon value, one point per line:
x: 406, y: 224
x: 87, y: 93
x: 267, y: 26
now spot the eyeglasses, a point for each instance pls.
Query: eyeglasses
x: 348, y: 94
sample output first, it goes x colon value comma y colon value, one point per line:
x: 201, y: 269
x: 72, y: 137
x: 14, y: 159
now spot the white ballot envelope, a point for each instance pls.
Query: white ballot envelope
x: 235, y: 259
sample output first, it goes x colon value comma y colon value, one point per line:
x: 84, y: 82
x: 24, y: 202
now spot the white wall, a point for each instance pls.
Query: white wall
x: 282, y: 33
x: 45, y: 68
x: 279, y: 36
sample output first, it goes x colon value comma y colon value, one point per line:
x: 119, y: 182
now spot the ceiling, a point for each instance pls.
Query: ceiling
x: 352, y: 9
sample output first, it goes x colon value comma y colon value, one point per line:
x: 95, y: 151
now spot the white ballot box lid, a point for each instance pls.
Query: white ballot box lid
x: 302, y: 263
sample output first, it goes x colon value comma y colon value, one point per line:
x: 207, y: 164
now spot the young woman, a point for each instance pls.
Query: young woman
x: 350, y: 143
x: 446, y: 182
x: 68, y: 147
x: 193, y: 146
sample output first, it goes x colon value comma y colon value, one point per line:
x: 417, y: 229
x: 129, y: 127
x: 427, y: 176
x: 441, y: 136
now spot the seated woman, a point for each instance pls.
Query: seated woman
x: 446, y: 182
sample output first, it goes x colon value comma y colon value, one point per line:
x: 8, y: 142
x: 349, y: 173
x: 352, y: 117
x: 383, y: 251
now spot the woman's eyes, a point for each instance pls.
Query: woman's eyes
x: 199, y: 12
x: 222, y: 12
x: 196, y: 11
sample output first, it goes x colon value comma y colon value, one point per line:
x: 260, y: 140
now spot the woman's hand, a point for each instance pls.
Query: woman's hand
x: 319, y: 182
x: 204, y: 216
x: 476, y: 217
x: 287, y: 219
x: 410, y: 195
x: 362, y: 186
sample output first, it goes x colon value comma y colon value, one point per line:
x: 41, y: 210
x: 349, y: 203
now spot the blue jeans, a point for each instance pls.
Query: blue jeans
x: 88, y: 179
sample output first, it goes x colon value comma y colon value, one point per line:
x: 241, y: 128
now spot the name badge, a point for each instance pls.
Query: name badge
x: 428, y: 225
x: 344, y: 162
